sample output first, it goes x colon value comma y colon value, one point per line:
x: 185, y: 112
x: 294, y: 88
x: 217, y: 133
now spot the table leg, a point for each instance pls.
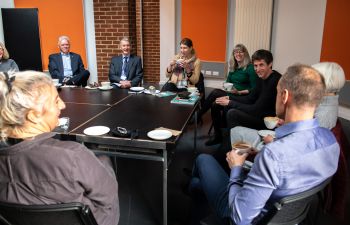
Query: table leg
x: 195, y: 132
x: 165, y: 187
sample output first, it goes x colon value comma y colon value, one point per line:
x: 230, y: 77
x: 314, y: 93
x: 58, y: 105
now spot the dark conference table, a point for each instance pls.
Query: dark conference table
x: 117, y: 107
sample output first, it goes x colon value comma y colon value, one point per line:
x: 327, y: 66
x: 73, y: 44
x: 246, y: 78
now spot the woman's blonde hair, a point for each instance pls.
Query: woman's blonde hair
x: 20, y: 93
x: 333, y: 74
x: 6, y: 54
x: 233, y: 64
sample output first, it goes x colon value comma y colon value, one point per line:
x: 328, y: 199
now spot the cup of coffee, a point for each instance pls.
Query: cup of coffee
x: 55, y: 81
x: 105, y: 83
x: 227, y: 86
x: 152, y: 90
x: 271, y: 121
x: 241, y: 148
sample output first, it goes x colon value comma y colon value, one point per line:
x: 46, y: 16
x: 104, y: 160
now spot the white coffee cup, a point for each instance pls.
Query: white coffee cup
x: 63, y: 123
x: 55, y: 81
x: 271, y: 122
x: 105, y: 83
x: 192, y: 89
x: 227, y: 86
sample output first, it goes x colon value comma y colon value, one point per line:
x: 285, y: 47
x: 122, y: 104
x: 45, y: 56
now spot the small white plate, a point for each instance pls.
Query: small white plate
x: 105, y: 88
x: 90, y: 88
x: 96, y: 130
x: 58, y: 85
x: 137, y: 88
x: 159, y: 134
x: 264, y: 133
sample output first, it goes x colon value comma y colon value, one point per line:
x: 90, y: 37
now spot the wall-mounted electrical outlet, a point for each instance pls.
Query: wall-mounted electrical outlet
x: 208, y: 72
x: 215, y: 73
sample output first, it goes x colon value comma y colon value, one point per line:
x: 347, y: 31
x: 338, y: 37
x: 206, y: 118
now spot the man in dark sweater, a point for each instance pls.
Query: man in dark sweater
x: 248, y: 111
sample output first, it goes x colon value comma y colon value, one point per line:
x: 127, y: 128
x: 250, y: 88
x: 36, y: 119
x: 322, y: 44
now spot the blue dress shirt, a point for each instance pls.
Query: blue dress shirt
x: 67, y: 66
x: 302, y: 156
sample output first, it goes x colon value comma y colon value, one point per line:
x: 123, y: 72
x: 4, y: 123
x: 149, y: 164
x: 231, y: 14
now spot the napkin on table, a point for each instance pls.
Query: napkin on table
x: 174, y: 132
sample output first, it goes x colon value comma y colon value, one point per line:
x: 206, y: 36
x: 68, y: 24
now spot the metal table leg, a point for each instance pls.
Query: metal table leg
x: 165, y: 187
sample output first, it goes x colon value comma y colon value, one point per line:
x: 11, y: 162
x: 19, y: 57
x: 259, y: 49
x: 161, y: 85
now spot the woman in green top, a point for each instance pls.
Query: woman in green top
x: 242, y: 75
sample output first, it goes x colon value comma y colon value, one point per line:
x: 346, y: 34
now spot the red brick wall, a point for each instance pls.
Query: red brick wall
x: 115, y: 19
x: 151, y: 40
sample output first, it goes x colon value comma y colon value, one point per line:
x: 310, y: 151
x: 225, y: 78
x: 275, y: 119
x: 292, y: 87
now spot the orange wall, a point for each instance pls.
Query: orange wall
x: 205, y: 22
x: 336, y: 34
x: 56, y: 18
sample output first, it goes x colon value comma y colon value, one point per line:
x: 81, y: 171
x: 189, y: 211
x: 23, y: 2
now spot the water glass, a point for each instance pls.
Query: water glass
x: 64, y: 124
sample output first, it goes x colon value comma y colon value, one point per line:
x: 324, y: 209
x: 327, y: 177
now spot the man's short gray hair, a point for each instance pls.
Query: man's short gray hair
x: 63, y: 37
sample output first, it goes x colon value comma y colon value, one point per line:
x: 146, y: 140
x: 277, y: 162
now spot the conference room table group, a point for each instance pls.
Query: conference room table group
x: 137, y: 112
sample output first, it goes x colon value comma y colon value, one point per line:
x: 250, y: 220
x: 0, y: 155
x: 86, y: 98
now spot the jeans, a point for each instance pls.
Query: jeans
x: 209, y: 187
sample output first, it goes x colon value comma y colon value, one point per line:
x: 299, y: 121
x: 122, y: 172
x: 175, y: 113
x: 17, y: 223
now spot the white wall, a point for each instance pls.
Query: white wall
x: 297, y: 32
x: 4, y: 4
x: 90, y: 39
x: 167, y: 35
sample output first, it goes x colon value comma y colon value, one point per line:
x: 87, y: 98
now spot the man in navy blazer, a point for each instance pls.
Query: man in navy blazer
x: 125, y: 70
x: 67, y: 66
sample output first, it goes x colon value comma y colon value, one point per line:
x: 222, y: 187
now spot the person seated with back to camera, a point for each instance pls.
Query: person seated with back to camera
x: 249, y: 110
x: 326, y: 113
x: 125, y: 70
x: 284, y: 167
x: 241, y: 75
x: 36, y: 168
x: 6, y: 64
x: 67, y: 66
x: 184, y: 70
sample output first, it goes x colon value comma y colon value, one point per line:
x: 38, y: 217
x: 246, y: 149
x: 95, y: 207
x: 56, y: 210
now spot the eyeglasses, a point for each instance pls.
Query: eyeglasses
x: 238, y: 52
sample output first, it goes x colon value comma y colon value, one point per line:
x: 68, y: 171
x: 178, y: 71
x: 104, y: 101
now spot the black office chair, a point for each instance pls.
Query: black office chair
x: 290, y: 210
x: 201, y: 88
x: 293, y: 209
x: 58, y: 214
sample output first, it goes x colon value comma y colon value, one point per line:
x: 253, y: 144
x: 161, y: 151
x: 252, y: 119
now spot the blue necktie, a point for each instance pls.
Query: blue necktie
x: 124, y: 68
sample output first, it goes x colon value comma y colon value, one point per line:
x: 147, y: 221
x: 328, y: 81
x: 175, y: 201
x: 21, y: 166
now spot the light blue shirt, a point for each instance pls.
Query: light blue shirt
x: 67, y: 66
x: 302, y: 156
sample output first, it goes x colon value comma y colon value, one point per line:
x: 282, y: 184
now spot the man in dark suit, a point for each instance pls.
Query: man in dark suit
x: 67, y: 66
x: 125, y: 70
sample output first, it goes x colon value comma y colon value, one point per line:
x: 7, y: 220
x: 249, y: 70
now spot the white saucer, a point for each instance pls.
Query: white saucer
x: 137, y: 88
x: 68, y: 86
x: 90, y: 88
x: 96, y: 130
x: 264, y: 133
x: 105, y: 88
x: 58, y: 85
x: 148, y: 92
x: 159, y: 134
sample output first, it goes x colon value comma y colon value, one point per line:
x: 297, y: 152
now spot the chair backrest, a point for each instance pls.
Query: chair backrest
x: 292, y: 209
x: 58, y: 214
x: 201, y: 87
x: 200, y: 84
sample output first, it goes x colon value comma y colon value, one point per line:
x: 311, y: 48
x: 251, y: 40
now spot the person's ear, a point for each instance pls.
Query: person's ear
x: 33, y: 116
x: 285, y: 96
